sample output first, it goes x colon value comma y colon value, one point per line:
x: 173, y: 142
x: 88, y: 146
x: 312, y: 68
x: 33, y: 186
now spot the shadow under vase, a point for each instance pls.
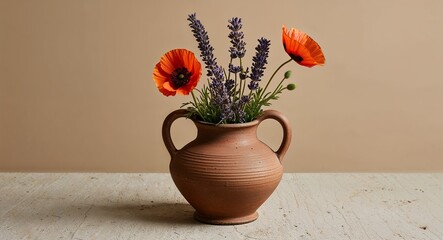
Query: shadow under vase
x: 170, y: 213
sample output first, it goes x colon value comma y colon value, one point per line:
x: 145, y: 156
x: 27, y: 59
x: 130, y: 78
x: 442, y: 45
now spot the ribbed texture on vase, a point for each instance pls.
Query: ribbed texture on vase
x: 232, y: 169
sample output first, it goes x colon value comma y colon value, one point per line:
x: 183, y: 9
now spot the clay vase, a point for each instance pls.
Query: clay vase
x: 226, y: 173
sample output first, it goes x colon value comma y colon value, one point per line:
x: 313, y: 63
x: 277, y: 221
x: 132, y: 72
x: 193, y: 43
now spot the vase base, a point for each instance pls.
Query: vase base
x: 225, y: 221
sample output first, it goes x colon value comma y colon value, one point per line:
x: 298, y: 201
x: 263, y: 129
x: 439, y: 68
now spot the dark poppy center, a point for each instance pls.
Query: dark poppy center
x: 296, y: 58
x: 180, y: 77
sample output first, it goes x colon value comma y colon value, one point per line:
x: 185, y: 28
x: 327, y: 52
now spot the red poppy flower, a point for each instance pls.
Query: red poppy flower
x: 302, y: 48
x: 177, y: 72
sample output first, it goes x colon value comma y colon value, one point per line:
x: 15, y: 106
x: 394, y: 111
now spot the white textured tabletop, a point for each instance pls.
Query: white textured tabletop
x: 148, y: 206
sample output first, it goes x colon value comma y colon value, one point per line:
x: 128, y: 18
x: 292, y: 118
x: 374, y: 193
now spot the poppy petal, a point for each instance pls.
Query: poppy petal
x: 177, y: 62
x: 302, y: 48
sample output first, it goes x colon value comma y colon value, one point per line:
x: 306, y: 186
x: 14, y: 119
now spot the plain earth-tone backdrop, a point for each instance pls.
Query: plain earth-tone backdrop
x: 76, y: 92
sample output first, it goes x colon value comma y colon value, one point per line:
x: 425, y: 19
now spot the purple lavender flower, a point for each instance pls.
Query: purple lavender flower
x: 236, y: 35
x: 239, y: 108
x: 205, y: 47
x: 253, y: 85
x: 220, y: 97
x: 260, y: 59
x: 219, y: 89
x: 258, y: 62
x: 234, y: 69
x: 244, y: 99
x: 229, y: 84
x: 243, y: 75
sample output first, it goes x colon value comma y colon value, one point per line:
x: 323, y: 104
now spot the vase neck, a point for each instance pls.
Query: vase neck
x: 226, y: 131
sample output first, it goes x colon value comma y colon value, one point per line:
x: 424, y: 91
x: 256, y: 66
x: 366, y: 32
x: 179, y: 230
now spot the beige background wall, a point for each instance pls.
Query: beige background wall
x: 76, y: 92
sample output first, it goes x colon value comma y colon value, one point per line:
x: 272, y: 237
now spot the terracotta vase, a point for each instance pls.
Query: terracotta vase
x: 226, y: 173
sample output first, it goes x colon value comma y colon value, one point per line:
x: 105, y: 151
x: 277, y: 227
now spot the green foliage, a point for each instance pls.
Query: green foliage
x: 203, y: 108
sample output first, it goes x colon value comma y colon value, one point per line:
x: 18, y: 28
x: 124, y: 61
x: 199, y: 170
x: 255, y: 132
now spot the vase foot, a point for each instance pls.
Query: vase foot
x: 227, y: 220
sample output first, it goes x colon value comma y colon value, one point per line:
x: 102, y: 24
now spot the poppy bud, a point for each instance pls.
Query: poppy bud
x: 291, y: 86
x: 288, y: 74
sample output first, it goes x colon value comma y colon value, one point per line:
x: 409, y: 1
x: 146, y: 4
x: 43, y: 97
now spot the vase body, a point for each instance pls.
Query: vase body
x: 226, y: 173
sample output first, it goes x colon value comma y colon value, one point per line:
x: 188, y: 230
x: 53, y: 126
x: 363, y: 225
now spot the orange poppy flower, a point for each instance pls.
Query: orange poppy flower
x: 177, y: 72
x: 302, y: 48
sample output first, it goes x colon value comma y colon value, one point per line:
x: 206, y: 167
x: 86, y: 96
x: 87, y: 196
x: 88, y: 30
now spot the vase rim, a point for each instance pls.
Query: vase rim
x: 228, y: 125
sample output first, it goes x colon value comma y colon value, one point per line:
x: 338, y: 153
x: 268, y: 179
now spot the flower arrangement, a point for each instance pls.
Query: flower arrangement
x: 233, y: 94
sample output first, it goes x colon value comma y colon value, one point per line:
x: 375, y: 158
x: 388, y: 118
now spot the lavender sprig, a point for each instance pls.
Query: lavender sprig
x: 205, y: 47
x: 259, y: 62
x: 220, y: 97
x: 239, y: 109
x: 236, y: 35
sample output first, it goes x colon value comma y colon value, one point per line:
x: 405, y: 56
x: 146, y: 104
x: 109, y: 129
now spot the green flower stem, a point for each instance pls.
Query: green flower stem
x: 244, y: 87
x: 266, y: 87
x: 196, y: 103
x: 279, y: 84
x: 226, y: 76
x: 229, y: 73
x: 237, y: 83
x: 240, y: 90
x: 276, y: 91
x: 235, y: 86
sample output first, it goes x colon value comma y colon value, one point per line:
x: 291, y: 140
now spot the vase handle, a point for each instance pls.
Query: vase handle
x: 287, y: 130
x: 166, y: 129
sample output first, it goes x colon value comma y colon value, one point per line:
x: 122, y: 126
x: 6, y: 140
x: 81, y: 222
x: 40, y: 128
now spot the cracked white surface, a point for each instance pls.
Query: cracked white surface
x: 148, y: 206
